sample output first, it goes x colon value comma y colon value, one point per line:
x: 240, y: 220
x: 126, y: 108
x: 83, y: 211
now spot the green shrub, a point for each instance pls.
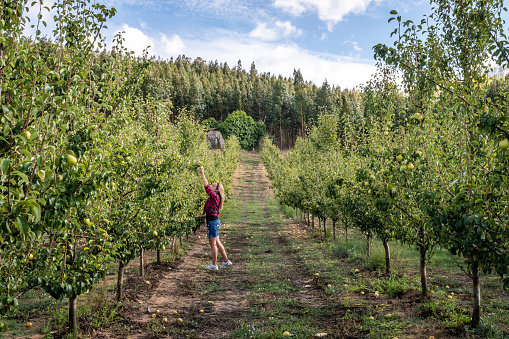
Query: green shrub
x: 210, y: 123
x: 247, y: 131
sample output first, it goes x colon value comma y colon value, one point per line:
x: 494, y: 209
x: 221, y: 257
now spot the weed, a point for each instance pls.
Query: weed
x: 446, y: 313
x: 345, y: 250
x: 395, y: 286
x: 375, y: 262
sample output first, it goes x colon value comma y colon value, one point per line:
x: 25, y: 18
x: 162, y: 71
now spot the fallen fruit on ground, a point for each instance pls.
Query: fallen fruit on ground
x: 175, y: 312
x: 180, y: 320
x: 165, y: 320
x: 201, y: 311
x: 154, y: 315
x: 29, y: 324
x: 286, y: 334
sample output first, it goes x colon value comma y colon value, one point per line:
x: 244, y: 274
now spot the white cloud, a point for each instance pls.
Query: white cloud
x: 173, y: 46
x: 288, y: 29
x: 354, y: 44
x: 275, y: 32
x: 263, y: 32
x: 330, y: 11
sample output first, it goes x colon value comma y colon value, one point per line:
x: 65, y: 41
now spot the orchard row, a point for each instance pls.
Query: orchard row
x: 89, y: 175
x: 426, y: 162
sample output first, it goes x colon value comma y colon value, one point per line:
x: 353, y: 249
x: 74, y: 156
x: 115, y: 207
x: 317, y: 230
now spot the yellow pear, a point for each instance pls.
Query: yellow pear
x: 503, y: 144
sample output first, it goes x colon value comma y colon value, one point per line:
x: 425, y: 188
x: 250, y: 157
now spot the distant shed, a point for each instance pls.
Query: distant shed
x: 215, y: 138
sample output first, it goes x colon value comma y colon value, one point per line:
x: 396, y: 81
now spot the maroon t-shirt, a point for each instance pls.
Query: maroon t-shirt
x: 211, y: 208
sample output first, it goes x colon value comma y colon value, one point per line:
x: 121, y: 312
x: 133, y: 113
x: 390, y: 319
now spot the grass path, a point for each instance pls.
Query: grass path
x: 266, y: 291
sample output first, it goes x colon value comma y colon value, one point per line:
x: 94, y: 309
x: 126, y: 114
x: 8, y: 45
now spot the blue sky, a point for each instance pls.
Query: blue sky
x: 325, y: 39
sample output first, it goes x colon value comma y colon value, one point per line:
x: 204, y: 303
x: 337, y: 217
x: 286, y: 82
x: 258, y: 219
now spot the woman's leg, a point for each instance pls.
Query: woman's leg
x: 213, y: 249
x: 221, y: 249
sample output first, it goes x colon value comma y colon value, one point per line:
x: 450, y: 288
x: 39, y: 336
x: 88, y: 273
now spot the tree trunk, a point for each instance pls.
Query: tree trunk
x: 346, y: 230
x: 280, y: 128
x: 387, y: 256
x: 309, y: 220
x: 476, y: 286
x: 142, y: 263
x: 302, y: 120
x: 176, y: 246
x: 334, y: 229
x: 313, y: 219
x: 319, y: 223
x: 368, y: 245
x: 424, y: 278
x: 158, y: 255
x: 73, y: 320
x: 325, y: 226
x: 120, y: 281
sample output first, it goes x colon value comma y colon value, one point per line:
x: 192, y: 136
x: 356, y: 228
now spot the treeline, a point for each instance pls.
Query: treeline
x: 286, y: 106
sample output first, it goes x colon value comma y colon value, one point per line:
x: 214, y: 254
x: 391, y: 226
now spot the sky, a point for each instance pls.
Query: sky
x: 326, y: 39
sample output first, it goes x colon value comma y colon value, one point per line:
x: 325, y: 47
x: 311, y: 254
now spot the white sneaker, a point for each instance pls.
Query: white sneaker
x: 226, y: 264
x: 211, y: 267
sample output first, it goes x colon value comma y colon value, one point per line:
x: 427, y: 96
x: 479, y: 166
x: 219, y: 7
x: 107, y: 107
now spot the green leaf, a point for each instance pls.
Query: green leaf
x: 22, y: 224
x: 26, y: 153
x: 394, y: 12
x: 4, y: 164
x: 22, y: 175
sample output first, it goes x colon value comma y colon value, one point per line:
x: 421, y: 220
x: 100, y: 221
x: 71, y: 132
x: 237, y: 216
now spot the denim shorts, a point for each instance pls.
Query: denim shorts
x: 213, y: 228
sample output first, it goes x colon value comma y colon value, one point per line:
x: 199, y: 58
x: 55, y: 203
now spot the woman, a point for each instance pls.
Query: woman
x: 213, y: 207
